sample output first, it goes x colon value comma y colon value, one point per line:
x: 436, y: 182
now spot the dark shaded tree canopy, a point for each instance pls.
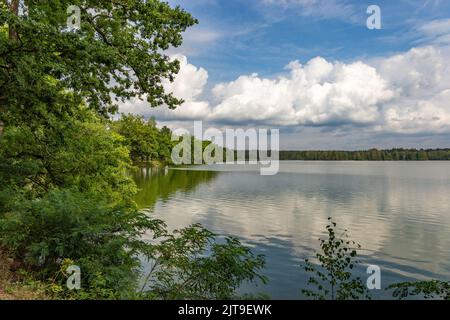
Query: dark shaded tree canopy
x: 117, y: 54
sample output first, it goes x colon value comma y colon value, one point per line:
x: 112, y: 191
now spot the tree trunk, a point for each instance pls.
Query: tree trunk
x: 14, y: 8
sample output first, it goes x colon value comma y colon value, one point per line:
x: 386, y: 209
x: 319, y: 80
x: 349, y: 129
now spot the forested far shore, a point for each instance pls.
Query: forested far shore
x: 369, y: 155
x: 149, y: 144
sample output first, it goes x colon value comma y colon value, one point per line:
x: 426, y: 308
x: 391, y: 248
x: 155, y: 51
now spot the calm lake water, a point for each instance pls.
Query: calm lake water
x: 398, y: 211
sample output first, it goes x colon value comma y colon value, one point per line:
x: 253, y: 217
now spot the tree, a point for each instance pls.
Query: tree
x: 116, y: 54
x: 165, y: 144
x: 333, y: 279
x: 66, y: 194
x: 141, y: 136
x: 80, y: 154
x: 145, y: 140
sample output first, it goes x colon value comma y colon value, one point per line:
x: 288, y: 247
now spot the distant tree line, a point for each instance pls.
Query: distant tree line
x: 369, y: 155
x: 149, y: 143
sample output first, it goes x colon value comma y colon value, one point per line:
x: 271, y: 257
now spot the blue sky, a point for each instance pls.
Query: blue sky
x: 314, y: 70
x: 245, y: 36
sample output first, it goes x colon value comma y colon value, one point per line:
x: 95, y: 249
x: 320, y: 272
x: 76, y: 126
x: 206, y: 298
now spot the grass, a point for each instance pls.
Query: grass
x: 15, y: 287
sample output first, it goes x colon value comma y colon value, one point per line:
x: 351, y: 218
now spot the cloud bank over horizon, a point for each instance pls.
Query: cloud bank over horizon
x: 406, y: 93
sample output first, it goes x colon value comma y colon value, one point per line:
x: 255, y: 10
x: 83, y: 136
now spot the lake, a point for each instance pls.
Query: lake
x: 398, y: 211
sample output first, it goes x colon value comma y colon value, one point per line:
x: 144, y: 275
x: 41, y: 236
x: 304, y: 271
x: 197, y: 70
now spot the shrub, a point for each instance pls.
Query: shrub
x: 333, y: 277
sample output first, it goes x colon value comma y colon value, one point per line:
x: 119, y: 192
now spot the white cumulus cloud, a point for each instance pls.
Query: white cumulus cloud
x: 421, y: 77
x: 188, y: 85
x: 403, y: 93
x: 318, y: 93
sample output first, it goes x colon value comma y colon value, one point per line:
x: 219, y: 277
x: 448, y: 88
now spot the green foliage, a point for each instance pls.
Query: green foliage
x: 333, y: 279
x: 81, y: 154
x: 145, y: 140
x: 193, y: 263
x: 66, y: 224
x: 118, y: 52
x: 434, y: 289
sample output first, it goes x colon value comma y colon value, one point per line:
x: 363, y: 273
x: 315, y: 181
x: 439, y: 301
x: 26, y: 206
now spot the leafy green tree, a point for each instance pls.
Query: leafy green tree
x: 81, y: 154
x: 116, y: 54
x: 141, y: 136
x: 67, y: 195
x: 165, y: 144
x: 333, y: 278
